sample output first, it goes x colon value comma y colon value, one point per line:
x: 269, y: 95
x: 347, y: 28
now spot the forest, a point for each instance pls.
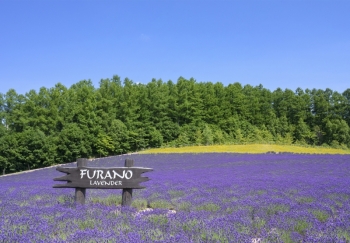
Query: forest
x: 59, y: 124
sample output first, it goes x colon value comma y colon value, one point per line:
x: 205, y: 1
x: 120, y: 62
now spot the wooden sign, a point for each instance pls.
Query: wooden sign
x: 102, y: 178
x: 83, y: 177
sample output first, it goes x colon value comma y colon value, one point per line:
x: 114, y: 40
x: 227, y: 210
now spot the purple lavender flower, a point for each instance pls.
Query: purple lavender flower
x: 194, y: 198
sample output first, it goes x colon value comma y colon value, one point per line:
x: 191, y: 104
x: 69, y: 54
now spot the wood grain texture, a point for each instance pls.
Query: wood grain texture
x: 74, y: 178
x: 80, y: 193
x: 127, y: 192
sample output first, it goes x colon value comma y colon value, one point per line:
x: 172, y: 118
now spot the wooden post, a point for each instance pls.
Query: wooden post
x: 80, y: 193
x: 127, y: 192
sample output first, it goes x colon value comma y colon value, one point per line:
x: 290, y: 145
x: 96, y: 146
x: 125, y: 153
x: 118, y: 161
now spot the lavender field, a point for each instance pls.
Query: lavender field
x: 193, y: 198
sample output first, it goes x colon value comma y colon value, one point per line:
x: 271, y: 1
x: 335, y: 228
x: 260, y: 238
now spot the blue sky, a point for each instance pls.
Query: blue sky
x: 276, y: 43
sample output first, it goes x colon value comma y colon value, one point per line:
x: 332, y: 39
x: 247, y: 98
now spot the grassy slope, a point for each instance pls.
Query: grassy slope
x: 249, y: 148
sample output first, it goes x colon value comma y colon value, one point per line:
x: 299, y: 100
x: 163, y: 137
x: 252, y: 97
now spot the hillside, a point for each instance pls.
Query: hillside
x: 249, y: 148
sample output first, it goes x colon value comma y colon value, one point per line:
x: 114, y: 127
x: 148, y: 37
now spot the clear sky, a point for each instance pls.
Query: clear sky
x: 276, y: 43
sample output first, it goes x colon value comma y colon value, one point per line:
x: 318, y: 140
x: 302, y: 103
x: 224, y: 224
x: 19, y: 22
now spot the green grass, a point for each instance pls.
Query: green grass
x: 285, y: 236
x: 86, y: 224
x: 344, y: 234
x: 305, y: 200
x: 261, y: 192
x: 243, y: 229
x: 213, y: 237
x: 258, y: 223
x: 37, y: 198
x: 63, y: 235
x: 158, y: 219
x: 176, y: 194
x: 156, y: 235
x: 183, y: 206
x: 140, y: 204
x: 278, y: 208
x: 301, y: 227
x: 248, y: 148
x: 20, y: 229
x: 230, y: 199
x: 110, y: 200
x: 211, y: 207
x: 161, y: 204
x: 189, y: 225
x: 24, y: 204
x: 320, y: 215
x: 154, y: 195
x: 65, y: 199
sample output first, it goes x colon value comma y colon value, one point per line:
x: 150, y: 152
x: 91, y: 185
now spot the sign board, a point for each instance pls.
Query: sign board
x: 82, y: 177
x: 102, y: 178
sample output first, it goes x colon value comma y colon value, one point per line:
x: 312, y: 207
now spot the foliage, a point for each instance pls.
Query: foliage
x: 60, y: 124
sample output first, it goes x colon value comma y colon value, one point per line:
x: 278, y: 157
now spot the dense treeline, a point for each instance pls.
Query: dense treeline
x: 60, y: 124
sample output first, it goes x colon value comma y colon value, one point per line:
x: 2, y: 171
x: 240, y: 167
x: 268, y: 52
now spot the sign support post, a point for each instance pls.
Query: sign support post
x: 80, y: 193
x: 127, y: 192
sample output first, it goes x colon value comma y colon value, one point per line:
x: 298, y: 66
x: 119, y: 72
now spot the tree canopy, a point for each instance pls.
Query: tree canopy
x: 60, y: 124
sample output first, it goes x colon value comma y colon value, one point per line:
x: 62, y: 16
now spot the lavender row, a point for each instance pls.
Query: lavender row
x: 193, y: 198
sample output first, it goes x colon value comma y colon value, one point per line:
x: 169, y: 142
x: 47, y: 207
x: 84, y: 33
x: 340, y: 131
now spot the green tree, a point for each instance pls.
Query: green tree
x: 212, y: 112
x: 303, y: 133
x: 346, y: 104
x: 118, y: 133
x: 236, y: 100
x: 207, y: 136
x: 104, y: 144
x: 337, y: 131
x: 72, y: 143
x: 34, y: 149
x: 108, y: 97
x: 198, y: 137
x: 129, y: 109
x: 189, y: 102
x: 8, y: 152
x: 156, y: 138
x: 218, y: 137
x: 182, y: 140
x: 239, y: 136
